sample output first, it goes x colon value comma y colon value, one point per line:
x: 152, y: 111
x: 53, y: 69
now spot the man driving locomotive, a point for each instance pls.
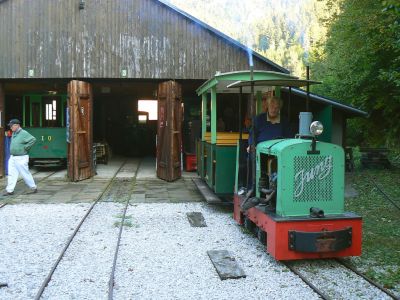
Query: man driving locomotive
x: 269, y: 125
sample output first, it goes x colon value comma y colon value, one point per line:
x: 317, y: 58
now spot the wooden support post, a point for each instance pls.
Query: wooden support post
x: 213, y: 115
x: 259, y: 102
x: 2, y: 126
x: 203, y: 115
x: 308, y: 90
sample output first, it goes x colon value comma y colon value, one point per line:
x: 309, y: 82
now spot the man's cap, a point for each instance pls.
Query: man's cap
x: 13, y: 121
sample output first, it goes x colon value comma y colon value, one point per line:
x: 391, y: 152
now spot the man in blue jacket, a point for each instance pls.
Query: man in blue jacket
x: 269, y: 125
x: 21, y: 143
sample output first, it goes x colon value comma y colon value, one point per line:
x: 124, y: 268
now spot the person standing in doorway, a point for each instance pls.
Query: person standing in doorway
x: 21, y: 143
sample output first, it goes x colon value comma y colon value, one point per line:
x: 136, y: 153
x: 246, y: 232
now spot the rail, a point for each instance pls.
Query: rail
x: 349, y: 267
x: 48, y: 278
x: 37, y: 182
x: 112, y: 275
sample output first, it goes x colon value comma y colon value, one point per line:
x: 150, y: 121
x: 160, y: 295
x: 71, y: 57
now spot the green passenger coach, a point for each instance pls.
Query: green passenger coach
x: 44, y: 116
x: 217, y: 149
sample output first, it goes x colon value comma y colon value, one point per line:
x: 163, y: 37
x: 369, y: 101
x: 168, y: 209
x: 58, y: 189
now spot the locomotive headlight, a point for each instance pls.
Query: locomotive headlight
x: 316, y: 128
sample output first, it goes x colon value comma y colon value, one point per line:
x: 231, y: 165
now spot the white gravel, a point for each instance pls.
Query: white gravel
x: 163, y: 257
x: 337, y: 281
x: 84, y: 271
x: 31, y: 238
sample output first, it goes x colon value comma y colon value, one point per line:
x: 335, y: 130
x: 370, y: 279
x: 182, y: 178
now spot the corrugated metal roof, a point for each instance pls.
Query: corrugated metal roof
x: 317, y: 98
x: 224, y: 36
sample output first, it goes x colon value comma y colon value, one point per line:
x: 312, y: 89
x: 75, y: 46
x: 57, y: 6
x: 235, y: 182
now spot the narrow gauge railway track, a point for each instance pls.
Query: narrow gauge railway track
x: 69, y: 241
x: 346, y: 266
x: 385, y: 195
x: 42, y: 179
x: 112, y: 275
x: 312, y: 286
x: 349, y: 267
x: 22, y: 178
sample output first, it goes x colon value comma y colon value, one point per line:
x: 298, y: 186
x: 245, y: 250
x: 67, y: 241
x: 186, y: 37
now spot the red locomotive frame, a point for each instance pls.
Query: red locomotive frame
x: 280, y: 231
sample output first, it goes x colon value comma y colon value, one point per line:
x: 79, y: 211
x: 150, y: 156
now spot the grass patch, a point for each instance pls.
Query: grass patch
x: 127, y: 223
x: 380, y: 258
x: 120, y: 216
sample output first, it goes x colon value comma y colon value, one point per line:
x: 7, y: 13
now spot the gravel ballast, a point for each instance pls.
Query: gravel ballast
x: 84, y: 271
x: 338, y: 282
x: 31, y: 239
x: 163, y: 257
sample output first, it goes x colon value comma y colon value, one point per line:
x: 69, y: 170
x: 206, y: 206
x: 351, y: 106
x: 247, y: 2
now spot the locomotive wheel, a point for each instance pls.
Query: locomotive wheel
x: 249, y: 225
x: 261, y: 236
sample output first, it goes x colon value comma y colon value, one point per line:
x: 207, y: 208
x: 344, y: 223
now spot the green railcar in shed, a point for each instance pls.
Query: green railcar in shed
x: 44, y: 116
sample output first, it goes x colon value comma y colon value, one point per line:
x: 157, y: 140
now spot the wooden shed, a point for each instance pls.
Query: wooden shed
x: 111, y: 54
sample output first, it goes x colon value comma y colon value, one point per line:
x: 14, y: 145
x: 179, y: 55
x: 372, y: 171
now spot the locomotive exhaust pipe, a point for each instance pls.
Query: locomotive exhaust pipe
x: 316, y: 212
x: 305, y: 119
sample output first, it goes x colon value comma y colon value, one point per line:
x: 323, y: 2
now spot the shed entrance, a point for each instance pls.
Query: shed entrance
x: 112, y: 119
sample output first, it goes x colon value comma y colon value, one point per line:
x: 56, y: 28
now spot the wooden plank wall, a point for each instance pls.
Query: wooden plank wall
x: 56, y: 39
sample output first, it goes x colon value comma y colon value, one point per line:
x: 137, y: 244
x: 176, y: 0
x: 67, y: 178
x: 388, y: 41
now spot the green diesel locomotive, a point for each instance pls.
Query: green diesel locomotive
x: 292, y: 194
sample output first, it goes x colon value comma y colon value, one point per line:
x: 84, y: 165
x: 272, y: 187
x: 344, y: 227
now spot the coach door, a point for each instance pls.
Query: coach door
x: 79, y: 131
x: 169, y: 136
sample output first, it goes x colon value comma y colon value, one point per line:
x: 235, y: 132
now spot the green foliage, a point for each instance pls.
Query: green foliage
x: 380, y: 258
x: 284, y: 31
x: 353, y: 46
x: 360, y: 65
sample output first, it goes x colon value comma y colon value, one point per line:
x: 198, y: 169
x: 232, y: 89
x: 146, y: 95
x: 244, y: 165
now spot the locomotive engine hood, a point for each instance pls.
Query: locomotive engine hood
x: 305, y: 180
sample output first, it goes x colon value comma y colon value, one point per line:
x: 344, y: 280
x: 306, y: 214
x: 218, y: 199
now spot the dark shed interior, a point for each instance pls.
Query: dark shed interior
x: 115, y: 111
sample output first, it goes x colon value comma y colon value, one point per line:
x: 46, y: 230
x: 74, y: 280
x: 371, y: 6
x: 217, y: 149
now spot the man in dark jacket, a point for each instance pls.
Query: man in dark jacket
x: 21, y: 143
x: 269, y: 125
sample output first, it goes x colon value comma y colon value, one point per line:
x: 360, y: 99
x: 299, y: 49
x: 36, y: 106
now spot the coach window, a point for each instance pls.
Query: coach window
x: 51, y: 109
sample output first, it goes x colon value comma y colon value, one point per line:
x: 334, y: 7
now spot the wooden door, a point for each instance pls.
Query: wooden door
x: 169, y: 131
x: 79, y: 126
x: 2, y: 125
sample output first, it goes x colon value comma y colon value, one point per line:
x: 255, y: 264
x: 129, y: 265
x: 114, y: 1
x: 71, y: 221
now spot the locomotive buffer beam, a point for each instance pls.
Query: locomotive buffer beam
x: 323, y: 241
